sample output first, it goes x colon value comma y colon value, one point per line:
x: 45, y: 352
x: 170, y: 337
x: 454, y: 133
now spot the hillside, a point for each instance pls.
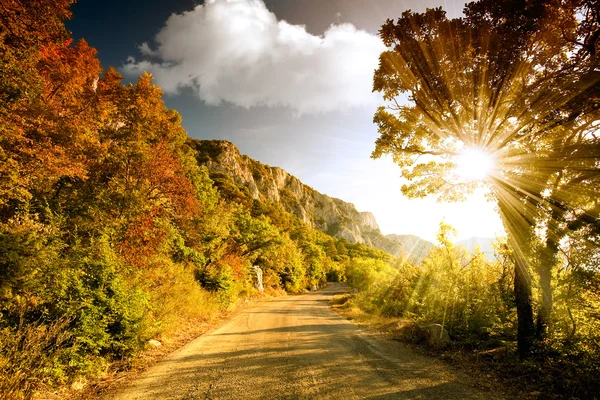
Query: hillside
x: 272, y: 184
x: 414, y: 246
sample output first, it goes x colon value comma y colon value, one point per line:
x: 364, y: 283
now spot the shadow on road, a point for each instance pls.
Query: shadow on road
x: 295, y: 348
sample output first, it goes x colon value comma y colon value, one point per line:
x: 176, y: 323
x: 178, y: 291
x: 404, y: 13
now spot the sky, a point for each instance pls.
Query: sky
x: 288, y: 81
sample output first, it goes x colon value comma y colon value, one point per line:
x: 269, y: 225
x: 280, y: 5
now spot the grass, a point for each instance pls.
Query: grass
x: 494, y: 362
x: 27, y: 358
x: 403, y: 330
x: 182, y: 328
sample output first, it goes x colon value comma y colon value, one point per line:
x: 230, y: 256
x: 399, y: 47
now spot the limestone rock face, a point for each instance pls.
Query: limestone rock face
x: 272, y: 184
x: 258, y: 284
x: 368, y: 220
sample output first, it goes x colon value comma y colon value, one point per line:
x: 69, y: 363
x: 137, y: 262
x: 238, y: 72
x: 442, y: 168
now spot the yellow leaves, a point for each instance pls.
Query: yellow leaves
x: 446, y: 235
x: 479, y: 82
x: 456, y: 288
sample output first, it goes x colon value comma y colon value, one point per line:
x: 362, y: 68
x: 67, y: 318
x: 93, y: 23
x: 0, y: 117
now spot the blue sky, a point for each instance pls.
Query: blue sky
x: 287, y: 81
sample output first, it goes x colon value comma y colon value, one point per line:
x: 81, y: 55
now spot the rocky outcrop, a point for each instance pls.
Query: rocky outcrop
x: 258, y: 282
x: 265, y: 183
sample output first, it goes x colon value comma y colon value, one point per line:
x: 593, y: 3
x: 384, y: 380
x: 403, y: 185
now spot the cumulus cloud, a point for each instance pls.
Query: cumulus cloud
x: 237, y: 51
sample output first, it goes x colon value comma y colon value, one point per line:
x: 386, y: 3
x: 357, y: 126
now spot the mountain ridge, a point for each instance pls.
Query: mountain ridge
x: 331, y: 215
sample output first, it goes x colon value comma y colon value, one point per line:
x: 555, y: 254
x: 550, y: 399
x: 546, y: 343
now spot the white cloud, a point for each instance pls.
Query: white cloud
x: 237, y: 51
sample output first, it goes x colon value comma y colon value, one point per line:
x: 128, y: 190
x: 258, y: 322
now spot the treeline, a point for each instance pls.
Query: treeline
x: 110, y: 231
x: 473, y: 299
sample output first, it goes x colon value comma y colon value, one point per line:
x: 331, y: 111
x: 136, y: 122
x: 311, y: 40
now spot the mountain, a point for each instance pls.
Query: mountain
x: 485, y: 244
x: 414, y: 246
x: 241, y: 176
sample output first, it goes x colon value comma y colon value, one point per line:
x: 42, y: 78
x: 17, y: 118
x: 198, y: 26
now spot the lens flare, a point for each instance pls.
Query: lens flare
x: 474, y: 165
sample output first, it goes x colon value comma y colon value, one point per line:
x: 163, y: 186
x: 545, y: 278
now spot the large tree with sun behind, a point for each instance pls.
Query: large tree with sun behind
x: 506, y: 98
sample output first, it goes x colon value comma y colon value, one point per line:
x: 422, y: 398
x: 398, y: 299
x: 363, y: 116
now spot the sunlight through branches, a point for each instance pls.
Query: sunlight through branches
x: 507, y: 99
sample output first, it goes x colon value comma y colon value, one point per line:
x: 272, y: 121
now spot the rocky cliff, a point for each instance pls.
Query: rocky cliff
x: 272, y: 184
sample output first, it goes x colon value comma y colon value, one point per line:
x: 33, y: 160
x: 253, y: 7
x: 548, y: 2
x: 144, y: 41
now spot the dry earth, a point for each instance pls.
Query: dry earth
x: 298, y: 348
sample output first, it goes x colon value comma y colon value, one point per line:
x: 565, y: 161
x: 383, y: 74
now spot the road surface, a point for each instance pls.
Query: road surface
x: 296, y: 347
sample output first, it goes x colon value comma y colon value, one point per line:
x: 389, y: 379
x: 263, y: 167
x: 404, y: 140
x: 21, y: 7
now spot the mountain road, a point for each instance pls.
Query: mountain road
x: 297, y: 347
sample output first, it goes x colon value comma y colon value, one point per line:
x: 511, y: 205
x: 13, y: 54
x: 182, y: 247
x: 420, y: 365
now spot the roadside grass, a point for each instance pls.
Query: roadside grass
x: 403, y: 330
x: 183, y: 325
x: 493, y: 363
x: 343, y: 304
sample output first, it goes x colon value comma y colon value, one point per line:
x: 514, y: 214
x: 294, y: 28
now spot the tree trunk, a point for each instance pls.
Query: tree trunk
x: 519, y: 228
x: 548, y: 260
x: 522, y: 288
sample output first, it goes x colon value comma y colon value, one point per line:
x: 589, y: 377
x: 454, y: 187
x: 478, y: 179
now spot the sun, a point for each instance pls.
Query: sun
x: 474, y: 165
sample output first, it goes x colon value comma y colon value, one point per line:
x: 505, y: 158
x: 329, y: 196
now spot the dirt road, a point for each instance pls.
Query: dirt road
x: 297, y: 348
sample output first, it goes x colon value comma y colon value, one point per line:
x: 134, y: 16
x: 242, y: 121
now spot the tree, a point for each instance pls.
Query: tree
x: 457, y: 289
x: 514, y: 82
x: 47, y: 84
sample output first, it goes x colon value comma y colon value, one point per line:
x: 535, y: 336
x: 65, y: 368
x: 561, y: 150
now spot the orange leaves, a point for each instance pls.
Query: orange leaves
x: 144, y: 144
x: 57, y: 122
x: 164, y: 193
x: 45, y: 130
x: 149, y: 115
x: 32, y: 23
x: 68, y: 72
x: 86, y: 144
x: 164, y: 182
x: 142, y: 239
x: 238, y: 266
x: 143, y: 165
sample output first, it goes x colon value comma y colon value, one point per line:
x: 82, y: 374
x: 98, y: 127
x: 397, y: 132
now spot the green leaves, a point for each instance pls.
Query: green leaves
x: 508, y: 80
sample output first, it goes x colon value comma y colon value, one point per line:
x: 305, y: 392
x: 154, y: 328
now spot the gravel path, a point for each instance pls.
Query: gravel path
x: 297, y: 348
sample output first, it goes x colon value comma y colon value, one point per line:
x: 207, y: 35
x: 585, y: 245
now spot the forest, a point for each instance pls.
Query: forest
x: 517, y: 84
x: 112, y: 233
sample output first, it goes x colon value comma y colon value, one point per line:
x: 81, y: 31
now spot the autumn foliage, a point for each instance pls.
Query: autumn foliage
x: 110, y: 231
